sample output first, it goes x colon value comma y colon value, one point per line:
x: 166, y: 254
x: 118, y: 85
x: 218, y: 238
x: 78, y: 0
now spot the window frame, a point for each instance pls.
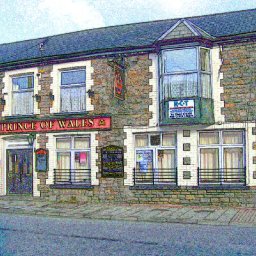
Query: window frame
x: 221, y: 148
x: 72, y: 150
x: 17, y: 92
x: 198, y: 73
x: 68, y: 86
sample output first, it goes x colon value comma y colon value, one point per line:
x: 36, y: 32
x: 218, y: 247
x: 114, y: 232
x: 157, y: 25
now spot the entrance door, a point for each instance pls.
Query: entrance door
x: 19, y: 167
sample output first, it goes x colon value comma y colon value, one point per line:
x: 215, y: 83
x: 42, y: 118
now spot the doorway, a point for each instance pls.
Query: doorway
x: 19, y: 167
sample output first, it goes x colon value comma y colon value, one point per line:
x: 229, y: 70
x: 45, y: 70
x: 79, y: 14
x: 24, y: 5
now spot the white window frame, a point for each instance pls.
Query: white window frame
x: 197, y: 71
x: 22, y: 91
x: 221, y: 147
x: 72, y: 150
x: 63, y: 87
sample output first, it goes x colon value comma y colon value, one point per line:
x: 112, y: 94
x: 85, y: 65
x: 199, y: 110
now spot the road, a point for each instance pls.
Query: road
x: 32, y: 235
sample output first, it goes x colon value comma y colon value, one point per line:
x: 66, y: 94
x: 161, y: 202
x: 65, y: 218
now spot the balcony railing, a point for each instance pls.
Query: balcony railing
x: 155, y: 176
x: 222, y: 176
x: 72, y: 176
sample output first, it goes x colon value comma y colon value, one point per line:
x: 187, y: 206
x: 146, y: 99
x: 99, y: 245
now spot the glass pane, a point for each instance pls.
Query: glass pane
x: 209, y: 165
x: 21, y: 83
x: 166, y: 166
x: 63, y: 167
x: 23, y: 103
x: 233, y: 137
x: 205, y: 59
x: 155, y: 140
x: 180, y: 60
x: 73, y: 99
x: 81, y: 142
x: 169, y: 139
x: 73, y: 77
x: 177, y: 86
x: 207, y: 138
x: 141, y: 140
x: 63, y: 143
x: 233, y: 165
x: 206, y: 86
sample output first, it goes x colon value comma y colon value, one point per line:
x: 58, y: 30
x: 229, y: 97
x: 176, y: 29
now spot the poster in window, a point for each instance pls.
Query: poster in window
x: 41, y: 160
x: 112, y: 161
x: 181, y: 109
x: 145, y: 159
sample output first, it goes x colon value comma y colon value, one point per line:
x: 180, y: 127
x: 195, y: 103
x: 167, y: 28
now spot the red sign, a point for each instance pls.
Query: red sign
x: 56, y: 125
x: 119, y: 83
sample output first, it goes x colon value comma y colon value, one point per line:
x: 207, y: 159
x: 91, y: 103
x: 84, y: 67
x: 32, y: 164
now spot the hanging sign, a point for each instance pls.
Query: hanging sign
x: 181, y: 109
x: 41, y: 160
x: 112, y: 161
x: 119, y: 82
x: 56, y: 125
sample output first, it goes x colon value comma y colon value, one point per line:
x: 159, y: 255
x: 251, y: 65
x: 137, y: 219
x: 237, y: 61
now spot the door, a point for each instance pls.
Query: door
x: 19, y: 168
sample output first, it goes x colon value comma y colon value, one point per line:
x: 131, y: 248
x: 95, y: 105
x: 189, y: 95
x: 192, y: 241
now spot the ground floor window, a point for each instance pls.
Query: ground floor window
x: 155, y: 158
x: 73, y: 160
x: 222, y: 158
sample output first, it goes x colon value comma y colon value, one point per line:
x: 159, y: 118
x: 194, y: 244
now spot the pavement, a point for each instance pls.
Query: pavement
x: 145, y: 213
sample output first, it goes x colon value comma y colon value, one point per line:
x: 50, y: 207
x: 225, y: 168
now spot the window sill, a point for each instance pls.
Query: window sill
x: 72, y: 186
x: 154, y: 187
x: 18, y: 117
x: 222, y: 187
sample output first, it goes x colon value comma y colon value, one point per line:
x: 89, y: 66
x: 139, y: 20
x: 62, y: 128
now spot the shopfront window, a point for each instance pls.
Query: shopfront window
x: 73, y: 91
x: 73, y: 160
x: 22, y: 95
x: 222, y: 157
x: 155, y: 158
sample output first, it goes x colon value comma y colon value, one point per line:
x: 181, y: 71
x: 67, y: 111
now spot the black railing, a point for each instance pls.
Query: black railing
x: 155, y: 176
x: 222, y: 176
x: 72, y: 176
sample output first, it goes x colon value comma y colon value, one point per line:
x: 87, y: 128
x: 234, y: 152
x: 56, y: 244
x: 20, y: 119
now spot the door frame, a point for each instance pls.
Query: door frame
x: 6, y: 170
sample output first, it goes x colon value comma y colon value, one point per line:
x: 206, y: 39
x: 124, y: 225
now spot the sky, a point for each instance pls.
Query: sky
x: 28, y: 19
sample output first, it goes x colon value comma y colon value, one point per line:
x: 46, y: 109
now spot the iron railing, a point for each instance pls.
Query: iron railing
x: 72, y: 176
x: 155, y: 176
x: 222, y: 176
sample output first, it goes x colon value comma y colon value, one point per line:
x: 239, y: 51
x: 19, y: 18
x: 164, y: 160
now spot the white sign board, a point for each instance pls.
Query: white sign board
x: 181, y: 109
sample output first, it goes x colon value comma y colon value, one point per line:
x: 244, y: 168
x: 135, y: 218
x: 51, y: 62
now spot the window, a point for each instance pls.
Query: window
x: 186, y: 73
x: 155, y: 158
x: 73, y: 160
x: 73, y: 91
x: 22, y: 95
x: 221, y: 157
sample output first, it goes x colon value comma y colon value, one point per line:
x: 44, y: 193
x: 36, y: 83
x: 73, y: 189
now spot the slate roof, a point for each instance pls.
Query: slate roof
x: 123, y: 36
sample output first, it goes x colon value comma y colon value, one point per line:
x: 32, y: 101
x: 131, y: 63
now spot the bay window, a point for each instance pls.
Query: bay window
x: 22, y: 95
x: 221, y: 157
x: 155, y: 158
x: 73, y: 160
x: 73, y: 91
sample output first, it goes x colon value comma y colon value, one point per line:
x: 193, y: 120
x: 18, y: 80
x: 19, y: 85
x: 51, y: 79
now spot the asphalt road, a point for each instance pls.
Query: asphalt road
x: 31, y: 235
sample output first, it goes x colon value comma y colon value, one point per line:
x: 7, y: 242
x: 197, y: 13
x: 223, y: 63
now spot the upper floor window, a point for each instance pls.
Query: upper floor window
x: 186, y: 73
x: 22, y: 95
x: 73, y: 91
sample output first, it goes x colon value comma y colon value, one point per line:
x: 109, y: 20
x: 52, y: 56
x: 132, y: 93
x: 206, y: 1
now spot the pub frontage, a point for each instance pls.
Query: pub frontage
x: 156, y: 112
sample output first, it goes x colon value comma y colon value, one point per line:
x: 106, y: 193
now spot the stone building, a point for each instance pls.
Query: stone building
x: 154, y: 112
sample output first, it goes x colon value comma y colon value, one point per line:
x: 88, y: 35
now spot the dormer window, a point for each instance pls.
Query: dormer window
x: 186, y: 73
x: 22, y: 95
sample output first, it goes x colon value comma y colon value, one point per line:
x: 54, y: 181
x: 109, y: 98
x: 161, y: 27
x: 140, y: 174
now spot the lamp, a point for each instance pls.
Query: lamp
x: 37, y: 97
x: 2, y: 101
x: 90, y: 93
x: 51, y: 96
x: 31, y: 137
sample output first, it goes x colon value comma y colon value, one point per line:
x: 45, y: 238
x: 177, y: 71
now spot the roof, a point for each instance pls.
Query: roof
x: 123, y: 36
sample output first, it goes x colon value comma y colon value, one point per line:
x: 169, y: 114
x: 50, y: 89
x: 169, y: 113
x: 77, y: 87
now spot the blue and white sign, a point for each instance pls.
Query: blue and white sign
x: 181, y: 109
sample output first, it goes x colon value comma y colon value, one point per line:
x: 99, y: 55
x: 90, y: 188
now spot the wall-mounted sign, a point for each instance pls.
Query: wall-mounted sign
x: 56, y: 125
x: 41, y: 160
x: 112, y: 161
x: 181, y: 109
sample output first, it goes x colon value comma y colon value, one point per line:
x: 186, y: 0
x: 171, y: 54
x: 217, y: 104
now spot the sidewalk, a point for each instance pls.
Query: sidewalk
x: 148, y: 213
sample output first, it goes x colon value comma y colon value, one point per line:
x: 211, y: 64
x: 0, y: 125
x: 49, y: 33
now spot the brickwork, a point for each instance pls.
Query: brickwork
x: 239, y: 76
